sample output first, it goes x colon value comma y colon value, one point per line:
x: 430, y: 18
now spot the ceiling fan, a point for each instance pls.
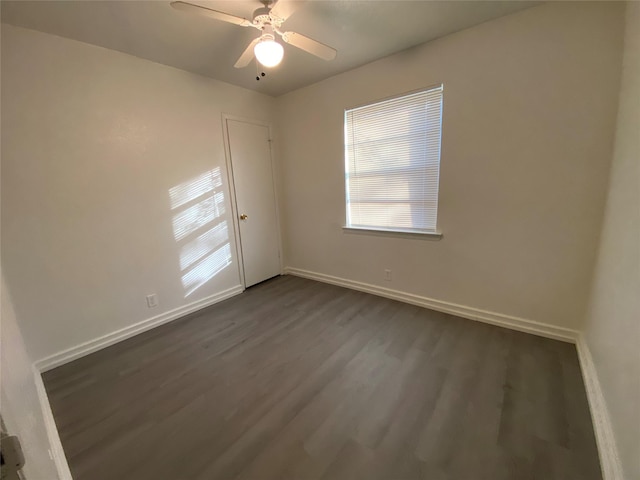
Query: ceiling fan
x: 268, y: 20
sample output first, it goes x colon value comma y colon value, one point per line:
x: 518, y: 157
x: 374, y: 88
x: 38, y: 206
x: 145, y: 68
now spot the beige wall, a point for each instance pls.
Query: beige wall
x: 612, y: 329
x: 92, y: 142
x: 19, y: 402
x: 529, y: 111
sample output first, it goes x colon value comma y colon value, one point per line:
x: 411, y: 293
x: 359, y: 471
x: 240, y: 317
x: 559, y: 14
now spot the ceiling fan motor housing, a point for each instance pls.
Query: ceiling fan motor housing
x: 263, y: 16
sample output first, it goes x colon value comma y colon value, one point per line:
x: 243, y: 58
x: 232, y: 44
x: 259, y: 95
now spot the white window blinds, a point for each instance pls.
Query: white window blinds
x: 392, y: 162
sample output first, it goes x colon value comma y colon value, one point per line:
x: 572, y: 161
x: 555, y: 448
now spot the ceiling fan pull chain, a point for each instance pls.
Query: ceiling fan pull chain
x: 259, y: 73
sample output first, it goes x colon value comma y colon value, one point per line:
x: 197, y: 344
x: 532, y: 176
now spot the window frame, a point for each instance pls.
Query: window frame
x: 382, y: 230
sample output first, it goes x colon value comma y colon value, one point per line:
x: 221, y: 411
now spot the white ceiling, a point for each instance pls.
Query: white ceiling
x: 361, y: 31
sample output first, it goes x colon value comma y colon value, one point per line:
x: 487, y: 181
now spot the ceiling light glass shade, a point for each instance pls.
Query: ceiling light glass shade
x: 269, y: 52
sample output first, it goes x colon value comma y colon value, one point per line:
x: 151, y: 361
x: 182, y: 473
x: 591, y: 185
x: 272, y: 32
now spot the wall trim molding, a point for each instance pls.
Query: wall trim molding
x: 607, y: 448
x: 56, y: 451
x: 507, y: 321
x: 608, y: 453
x: 73, y: 353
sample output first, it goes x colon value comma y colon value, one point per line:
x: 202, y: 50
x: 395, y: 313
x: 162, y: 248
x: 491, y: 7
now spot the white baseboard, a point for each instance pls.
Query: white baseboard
x: 56, y: 451
x: 514, y: 323
x: 607, y: 449
x: 99, y: 343
x: 609, y: 459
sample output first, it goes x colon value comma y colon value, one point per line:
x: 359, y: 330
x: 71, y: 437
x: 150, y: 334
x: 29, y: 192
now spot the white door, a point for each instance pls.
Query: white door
x: 250, y: 153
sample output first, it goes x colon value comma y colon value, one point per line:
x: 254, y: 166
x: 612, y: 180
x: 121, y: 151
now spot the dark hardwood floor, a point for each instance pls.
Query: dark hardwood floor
x: 296, y: 379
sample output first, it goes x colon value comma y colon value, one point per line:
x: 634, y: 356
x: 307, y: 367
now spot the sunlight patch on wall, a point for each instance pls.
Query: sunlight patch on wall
x: 199, y: 247
x: 200, y: 231
x: 198, y: 215
x: 206, y: 269
x: 187, y: 191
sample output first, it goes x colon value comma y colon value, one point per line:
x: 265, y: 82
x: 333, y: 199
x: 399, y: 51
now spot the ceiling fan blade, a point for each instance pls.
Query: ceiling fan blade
x: 285, y: 8
x: 247, y: 55
x: 309, y: 45
x: 208, y: 12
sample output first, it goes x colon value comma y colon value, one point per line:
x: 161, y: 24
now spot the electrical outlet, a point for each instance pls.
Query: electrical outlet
x: 152, y: 300
x: 387, y: 275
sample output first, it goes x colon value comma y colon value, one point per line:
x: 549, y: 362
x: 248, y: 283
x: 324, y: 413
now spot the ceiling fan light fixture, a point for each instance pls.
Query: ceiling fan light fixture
x: 264, y: 48
x: 269, y: 52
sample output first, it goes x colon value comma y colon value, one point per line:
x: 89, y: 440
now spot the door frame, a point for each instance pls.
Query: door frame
x: 232, y: 189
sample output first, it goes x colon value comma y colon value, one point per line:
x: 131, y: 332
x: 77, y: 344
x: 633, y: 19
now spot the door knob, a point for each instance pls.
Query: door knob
x: 244, y: 216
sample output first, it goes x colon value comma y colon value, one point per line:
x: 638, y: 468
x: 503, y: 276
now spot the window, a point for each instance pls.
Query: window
x: 392, y: 163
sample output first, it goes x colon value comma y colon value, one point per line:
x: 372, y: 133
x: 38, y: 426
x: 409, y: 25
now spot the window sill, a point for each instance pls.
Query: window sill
x: 392, y: 233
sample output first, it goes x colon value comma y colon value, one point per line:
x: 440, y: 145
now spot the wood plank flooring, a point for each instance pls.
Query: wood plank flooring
x: 296, y: 379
